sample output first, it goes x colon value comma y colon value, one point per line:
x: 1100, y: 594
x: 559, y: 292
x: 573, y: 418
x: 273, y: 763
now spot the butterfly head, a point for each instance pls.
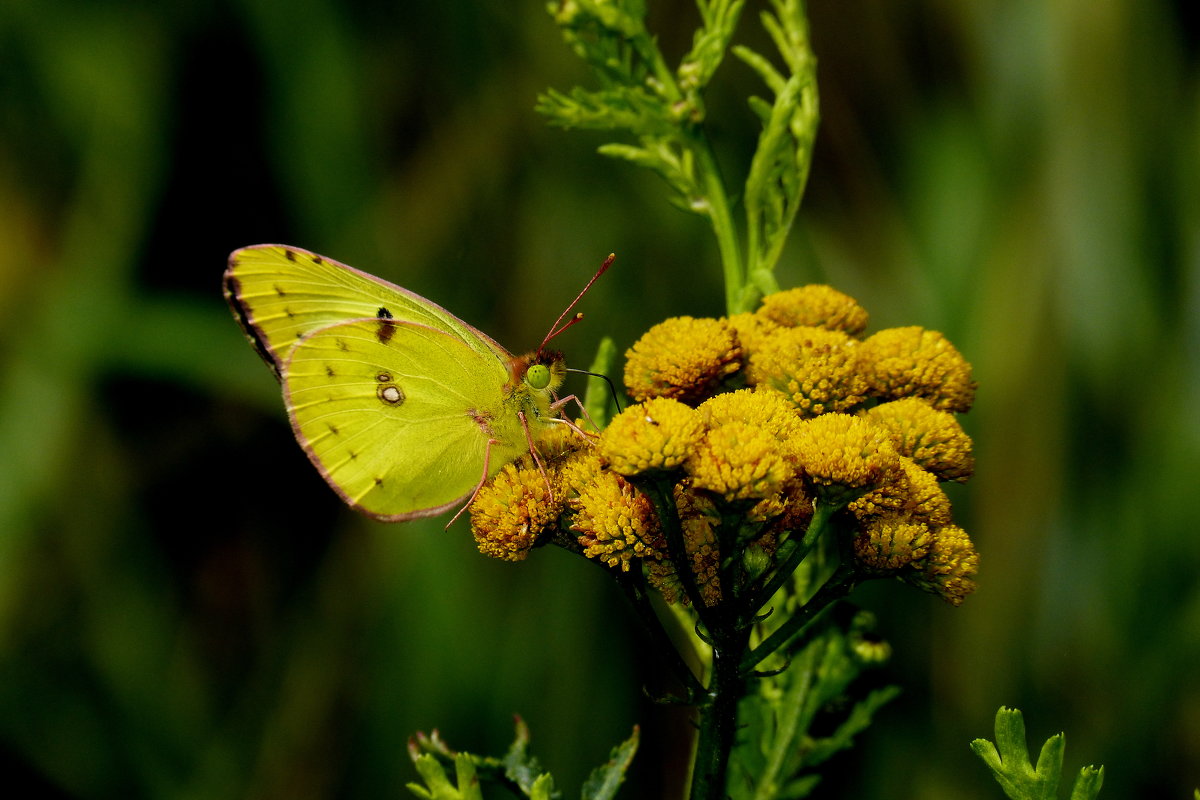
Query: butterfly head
x: 541, y: 370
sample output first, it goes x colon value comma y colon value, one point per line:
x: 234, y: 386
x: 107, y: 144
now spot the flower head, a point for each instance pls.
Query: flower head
x: 845, y: 457
x: 950, y: 566
x: 765, y: 409
x: 791, y: 509
x: 511, y: 511
x: 739, y: 462
x: 891, y: 543
x: 657, y: 434
x: 816, y: 369
x: 616, y: 523
x: 683, y: 358
x: 915, y: 362
x: 817, y: 306
x: 751, y: 330
x: 910, y: 493
x: 931, y: 437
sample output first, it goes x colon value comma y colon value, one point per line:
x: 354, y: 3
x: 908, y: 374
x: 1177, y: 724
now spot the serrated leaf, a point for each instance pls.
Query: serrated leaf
x: 521, y: 767
x: 1008, y: 759
x: 765, y: 69
x: 543, y: 788
x: 1088, y: 784
x: 604, y: 780
x: 710, y: 42
x: 438, y: 785
x: 760, y: 107
x: 855, y: 723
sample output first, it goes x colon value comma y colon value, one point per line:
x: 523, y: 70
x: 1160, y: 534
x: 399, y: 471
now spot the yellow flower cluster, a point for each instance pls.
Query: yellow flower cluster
x: 749, y: 421
x: 511, y: 511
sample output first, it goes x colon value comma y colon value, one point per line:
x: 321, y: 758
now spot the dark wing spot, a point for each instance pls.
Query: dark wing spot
x: 279, y: 290
x: 329, y: 371
x: 334, y: 429
x: 379, y: 481
x: 390, y: 393
x: 383, y: 313
x: 341, y: 344
x: 289, y: 254
x: 353, y: 455
x: 317, y: 259
x: 291, y: 314
x: 387, y: 329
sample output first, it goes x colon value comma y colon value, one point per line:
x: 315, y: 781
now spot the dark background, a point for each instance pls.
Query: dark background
x: 187, y: 611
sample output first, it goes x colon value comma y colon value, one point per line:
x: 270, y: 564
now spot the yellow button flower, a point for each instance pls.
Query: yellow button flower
x: 845, y: 457
x: 655, y: 435
x: 815, y: 305
x: 950, y: 566
x: 910, y: 492
x: 816, y: 369
x: 616, y: 523
x: 891, y: 543
x: 915, y: 362
x: 762, y: 408
x: 751, y: 329
x: 683, y: 358
x: 739, y: 461
x: 789, y: 510
x: 511, y: 512
x: 931, y: 437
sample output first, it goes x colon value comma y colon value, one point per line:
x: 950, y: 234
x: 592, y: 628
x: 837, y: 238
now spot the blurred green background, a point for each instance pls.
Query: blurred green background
x: 186, y: 611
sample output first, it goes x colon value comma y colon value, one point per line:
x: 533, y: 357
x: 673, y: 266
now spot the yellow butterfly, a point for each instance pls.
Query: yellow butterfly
x: 404, y: 408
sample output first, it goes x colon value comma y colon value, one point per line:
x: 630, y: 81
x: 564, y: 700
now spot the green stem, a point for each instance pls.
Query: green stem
x: 822, y: 513
x: 838, y: 586
x: 634, y: 585
x: 721, y: 218
x: 718, y: 717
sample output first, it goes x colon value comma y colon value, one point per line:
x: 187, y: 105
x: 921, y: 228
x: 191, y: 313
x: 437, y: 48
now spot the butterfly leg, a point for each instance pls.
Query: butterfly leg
x: 533, y: 451
x: 487, y: 460
x: 558, y: 405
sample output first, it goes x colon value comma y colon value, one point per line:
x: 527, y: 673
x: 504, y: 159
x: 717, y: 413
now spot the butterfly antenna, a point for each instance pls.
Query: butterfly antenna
x: 555, y: 330
x: 611, y: 388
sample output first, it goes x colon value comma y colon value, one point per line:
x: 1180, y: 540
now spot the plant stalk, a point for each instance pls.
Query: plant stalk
x: 718, y: 716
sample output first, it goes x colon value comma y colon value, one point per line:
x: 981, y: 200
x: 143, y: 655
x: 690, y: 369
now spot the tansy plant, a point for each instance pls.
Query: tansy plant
x: 771, y: 460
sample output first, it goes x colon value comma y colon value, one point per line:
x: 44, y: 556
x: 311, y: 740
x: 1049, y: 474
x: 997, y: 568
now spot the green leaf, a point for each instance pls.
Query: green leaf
x: 599, y: 398
x: 437, y: 783
x: 1088, y: 784
x: 603, y: 782
x: 1020, y: 780
x: 778, y: 753
x: 709, y: 43
x: 522, y: 768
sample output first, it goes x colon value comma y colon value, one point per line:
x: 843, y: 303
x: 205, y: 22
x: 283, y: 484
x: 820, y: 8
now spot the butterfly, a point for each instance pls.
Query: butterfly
x: 404, y: 409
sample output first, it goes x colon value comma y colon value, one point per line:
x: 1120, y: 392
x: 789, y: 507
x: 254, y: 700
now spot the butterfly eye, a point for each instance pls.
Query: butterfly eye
x: 538, y: 376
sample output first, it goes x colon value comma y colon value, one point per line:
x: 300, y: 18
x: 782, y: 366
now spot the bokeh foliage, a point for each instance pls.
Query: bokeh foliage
x: 185, y: 608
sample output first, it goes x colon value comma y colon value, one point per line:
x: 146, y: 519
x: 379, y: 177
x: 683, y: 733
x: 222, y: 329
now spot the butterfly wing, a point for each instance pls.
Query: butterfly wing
x: 398, y: 416
x: 280, y: 294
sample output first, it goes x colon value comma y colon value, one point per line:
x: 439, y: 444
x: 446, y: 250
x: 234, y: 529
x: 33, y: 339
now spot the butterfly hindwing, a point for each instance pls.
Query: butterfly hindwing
x: 398, y: 416
x: 280, y: 294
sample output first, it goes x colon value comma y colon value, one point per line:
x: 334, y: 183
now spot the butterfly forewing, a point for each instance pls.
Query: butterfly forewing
x: 398, y: 416
x: 280, y: 294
